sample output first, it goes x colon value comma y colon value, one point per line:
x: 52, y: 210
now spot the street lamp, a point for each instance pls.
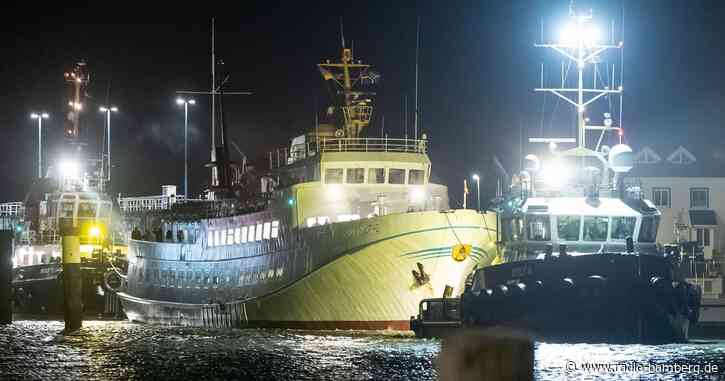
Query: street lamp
x: 186, y: 103
x: 108, y: 110
x: 478, y: 191
x: 40, y: 117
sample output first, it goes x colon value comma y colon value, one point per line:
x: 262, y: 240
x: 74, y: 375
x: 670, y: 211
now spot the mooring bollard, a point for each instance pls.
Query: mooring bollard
x: 492, y: 354
x: 6, y: 276
x: 72, y: 281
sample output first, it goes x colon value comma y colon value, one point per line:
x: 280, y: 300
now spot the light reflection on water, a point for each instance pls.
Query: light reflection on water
x: 121, y: 350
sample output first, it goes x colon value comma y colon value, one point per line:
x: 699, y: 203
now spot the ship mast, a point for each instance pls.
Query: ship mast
x: 79, y: 79
x: 356, y: 109
x: 219, y: 161
x: 580, y: 45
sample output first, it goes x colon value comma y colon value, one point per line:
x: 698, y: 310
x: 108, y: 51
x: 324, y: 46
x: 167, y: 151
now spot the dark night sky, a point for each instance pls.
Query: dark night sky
x: 477, y: 61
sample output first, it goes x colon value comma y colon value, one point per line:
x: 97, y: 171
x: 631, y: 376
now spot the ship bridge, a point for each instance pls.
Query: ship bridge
x: 341, y: 179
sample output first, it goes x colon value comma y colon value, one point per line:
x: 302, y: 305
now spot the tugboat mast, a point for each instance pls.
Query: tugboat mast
x: 580, y: 45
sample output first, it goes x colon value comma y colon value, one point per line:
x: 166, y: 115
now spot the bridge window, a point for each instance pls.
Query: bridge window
x: 311, y: 221
x: 333, y: 176
x: 623, y: 227
x: 275, y: 229
x: 416, y: 176
x: 355, y: 175
x: 210, y: 238
x: 230, y: 236
x: 237, y: 235
x: 396, y: 176
x: 538, y: 228
x: 222, y: 237
x: 258, y: 234
x: 568, y: 227
x: 86, y: 209
x: 244, y: 234
x: 376, y: 176
x: 648, y: 229
x: 595, y: 228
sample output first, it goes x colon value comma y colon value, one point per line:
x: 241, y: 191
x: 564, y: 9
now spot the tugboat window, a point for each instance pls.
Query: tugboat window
x: 275, y: 229
x: 86, y: 210
x: 376, y: 176
x: 244, y: 234
x: 595, y: 228
x: 355, y: 175
x: 538, y: 228
x: 251, y: 233
x: 415, y: 176
x: 396, y: 176
x: 333, y: 176
x: 648, y: 230
x: 568, y: 227
x: 623, y: 227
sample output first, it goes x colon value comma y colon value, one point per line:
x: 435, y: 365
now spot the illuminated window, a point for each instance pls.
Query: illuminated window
x: 538, y: 228
x: 355, y: 175
x: 595, y: 228
x: 275, y: 229
x: 568, y: 227
x: 396, y: 176
x: 258, y: 235
x: 323, y: 220
x: 311, y: 221
x: 217, y: 238
x: 210, y: 238
x: 623, y: 227
x: 251, y: 234
x: 376, y: 176
x: 415, y: 176
x: 333, y: 176
x: 223, y: 234
x: 244, y: 234
x: 347, y: 217
x: 267, y: 230
x: 230, y: 236
x: 237, y: 236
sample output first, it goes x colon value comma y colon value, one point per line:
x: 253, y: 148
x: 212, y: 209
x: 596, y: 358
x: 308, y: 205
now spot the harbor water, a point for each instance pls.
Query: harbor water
x: 119, y: 350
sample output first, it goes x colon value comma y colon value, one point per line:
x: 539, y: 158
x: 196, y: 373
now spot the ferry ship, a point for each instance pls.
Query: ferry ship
x: 341, y: 232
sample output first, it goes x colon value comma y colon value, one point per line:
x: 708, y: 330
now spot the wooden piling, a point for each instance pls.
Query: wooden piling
x: 6, y: 276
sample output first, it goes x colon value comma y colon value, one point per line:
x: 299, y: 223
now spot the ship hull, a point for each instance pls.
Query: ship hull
x: 376, y: 282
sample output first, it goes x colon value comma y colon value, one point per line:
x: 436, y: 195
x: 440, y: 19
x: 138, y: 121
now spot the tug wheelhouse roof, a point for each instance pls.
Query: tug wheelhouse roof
x: 580, y: 206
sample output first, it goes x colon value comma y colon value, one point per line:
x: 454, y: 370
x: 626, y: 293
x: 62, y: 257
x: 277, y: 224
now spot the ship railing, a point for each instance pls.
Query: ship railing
x: 12, y: 209
x: 297, y: 152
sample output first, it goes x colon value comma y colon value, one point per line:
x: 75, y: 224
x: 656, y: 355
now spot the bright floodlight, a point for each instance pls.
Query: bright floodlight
x: 45, y: 115
x: 569, y: 33
x: 179, y: 101
x: 34, y: 116
x: 592, y: 35
x: 475, y: 177
x: 114, y: 109
x: 95, y: 231
x: 192, y: 102
x: 69, y: 168
x: 102, y: 109
x: 417, y: 195
x: 555, y: 174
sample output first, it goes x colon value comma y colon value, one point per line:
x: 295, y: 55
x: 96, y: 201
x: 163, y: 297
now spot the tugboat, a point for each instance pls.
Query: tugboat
x: 339, y: 232
x: 579, y: 261
x: 71, y: 189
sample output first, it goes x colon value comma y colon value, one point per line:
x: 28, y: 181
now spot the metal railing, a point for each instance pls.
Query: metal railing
x: 12, y: 209
x: 286, y: 156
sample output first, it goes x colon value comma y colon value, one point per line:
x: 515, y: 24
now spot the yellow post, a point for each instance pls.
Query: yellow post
x: 72, y: 281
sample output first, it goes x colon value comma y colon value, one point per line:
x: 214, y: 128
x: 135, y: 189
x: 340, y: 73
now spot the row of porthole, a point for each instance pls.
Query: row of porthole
x: 161, y: 277
x: 242, y: 234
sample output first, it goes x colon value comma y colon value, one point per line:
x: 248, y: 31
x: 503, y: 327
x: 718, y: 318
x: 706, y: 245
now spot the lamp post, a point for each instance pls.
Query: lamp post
x: 478, y: 191
x: 186, y: 103
x: 108, y: 110
x: 40, y: 117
